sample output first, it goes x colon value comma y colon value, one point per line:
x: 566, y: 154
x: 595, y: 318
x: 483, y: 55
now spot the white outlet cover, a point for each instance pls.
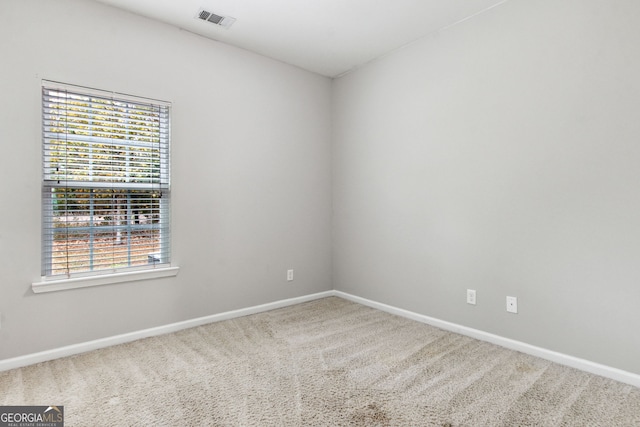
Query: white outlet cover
x: 471, y: 296
x: 512, y: 304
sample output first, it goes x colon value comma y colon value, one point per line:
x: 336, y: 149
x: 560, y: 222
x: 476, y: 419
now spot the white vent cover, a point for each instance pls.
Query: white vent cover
x: 223, y: 21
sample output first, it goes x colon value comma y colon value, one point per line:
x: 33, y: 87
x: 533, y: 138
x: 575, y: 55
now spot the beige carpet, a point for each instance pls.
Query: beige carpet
x: 328, y: 362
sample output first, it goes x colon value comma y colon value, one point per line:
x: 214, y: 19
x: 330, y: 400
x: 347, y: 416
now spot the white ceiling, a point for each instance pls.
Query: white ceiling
x: 329, y: 37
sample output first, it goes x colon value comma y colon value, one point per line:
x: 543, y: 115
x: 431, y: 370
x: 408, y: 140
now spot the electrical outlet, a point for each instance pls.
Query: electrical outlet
x: 512, y: 304
x: 289, y: 275
x: 471, y: 296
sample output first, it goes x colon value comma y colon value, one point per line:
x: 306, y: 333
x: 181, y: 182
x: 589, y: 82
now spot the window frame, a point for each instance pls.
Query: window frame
x: 78, y: 279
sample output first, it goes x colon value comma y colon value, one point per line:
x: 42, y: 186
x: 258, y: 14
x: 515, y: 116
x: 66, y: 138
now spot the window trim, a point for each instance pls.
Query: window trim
x: 105, y: 277
x: 51, y: 285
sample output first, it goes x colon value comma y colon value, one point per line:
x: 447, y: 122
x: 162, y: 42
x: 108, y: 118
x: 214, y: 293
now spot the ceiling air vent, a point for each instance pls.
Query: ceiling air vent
x: 223, y: 21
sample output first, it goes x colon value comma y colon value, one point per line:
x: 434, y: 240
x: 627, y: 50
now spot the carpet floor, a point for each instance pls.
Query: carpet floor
x: 328, y: 362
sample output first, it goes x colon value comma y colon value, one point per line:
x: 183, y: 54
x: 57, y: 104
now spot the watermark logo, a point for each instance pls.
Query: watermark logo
x: 31, y: 416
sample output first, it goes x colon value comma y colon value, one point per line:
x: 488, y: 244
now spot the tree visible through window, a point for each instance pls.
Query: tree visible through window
x: 106, y: 181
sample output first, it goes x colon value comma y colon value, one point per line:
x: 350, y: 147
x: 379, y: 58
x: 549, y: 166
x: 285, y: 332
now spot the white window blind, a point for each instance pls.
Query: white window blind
x: 105, y: 182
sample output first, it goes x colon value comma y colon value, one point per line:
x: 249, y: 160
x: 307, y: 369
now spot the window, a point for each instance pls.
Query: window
x: 105, y: 190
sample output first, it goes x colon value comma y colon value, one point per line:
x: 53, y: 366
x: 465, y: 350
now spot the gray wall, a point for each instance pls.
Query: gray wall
x: 251, y: 171
x: 502, y: 155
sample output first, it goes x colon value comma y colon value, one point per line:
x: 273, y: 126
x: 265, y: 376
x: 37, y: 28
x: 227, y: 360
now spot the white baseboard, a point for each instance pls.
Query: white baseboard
x: 30, y: 359
x: 563, y: 359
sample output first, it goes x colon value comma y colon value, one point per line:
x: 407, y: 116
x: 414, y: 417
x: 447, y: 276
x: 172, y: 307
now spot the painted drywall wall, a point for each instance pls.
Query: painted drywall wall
x: 501, y: 155
x: 250, y: 171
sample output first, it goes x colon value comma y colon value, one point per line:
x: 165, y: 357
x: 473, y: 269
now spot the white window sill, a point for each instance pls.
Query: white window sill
x: 103, y: 279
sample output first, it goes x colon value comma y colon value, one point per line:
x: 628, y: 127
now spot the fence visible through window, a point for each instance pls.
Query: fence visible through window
x: 110, y: 229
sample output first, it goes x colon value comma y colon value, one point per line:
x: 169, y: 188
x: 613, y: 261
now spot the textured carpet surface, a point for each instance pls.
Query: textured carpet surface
x: 328, y: 362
